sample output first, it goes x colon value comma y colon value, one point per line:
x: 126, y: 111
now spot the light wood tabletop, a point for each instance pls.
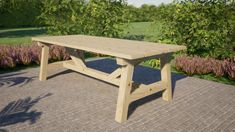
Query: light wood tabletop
x: 127, y: 49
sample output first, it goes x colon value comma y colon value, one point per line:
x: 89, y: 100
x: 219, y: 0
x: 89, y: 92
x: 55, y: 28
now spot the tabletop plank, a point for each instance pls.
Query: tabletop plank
x: 127, y: 49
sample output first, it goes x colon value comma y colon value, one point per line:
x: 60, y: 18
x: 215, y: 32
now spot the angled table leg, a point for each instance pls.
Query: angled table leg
x: 125, y: 86
x: 44, y: 62
x: 166, y: 77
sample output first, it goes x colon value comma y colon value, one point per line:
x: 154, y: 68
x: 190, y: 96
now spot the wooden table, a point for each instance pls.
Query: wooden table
x: 128, y: 54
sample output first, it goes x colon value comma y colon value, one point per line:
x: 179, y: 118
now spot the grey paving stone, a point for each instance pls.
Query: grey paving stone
x: 71, y: 102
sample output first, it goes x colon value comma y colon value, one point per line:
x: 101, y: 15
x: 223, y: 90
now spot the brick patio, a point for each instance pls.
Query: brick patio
x: 69, y: 101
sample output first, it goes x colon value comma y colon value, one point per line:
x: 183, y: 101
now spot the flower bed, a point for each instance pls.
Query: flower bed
x: 192, y: 65
x: 11, y: 56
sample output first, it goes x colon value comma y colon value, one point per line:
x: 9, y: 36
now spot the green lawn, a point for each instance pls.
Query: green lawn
x: 19, y: 35
x: 141, y: 31
x: 145, y: 30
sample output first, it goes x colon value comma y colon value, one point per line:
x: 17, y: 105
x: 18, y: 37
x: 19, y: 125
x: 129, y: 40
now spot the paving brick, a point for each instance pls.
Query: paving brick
x: 72, y: 102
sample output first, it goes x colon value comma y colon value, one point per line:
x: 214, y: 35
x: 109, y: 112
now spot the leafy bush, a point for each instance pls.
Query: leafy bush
x: 134, y: 37
x: 207, y: 28
x: 18, y: 13
x: 11, y: 56
x: 197, y: 65
x: 62, y: 16
x: 104, y: 17
x: 93, y: 17
x: 154, y: 63
x: 145, y: 13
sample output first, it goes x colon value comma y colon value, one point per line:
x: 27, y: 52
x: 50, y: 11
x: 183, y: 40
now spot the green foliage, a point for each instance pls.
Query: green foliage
x: 62, y: 16
x: 19, y: 13
x: 205, y: 27
x: 94, y: 17
x: 154, y: 63
x: 147, y: 31
x: 145, y: 13
x: 104, y: 18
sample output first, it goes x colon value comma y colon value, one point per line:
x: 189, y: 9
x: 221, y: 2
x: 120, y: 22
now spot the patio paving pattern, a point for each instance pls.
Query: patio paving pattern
x: 72, y: 102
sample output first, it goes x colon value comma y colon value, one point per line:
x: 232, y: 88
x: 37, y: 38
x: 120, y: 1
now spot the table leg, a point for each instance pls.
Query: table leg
x: 44, y: 62
x: 123, y: 100
x: 166, y: 77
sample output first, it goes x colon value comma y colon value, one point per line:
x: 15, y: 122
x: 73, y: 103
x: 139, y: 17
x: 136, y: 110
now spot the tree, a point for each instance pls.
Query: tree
x: 62, y: 16
x: 205, y: 27
x: 131, y: 13
x: 93, y: 17
x: 105, y: 18
x: 145, y: 13
x: 18, y: 13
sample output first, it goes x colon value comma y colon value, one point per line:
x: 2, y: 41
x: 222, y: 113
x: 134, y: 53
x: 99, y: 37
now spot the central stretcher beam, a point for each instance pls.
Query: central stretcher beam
x: 93, y: 73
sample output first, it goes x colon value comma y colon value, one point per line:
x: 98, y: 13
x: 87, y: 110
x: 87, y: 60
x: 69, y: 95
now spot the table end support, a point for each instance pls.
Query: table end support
x: 44, y: 61
x: 125, y: 86
x: 166, y: 77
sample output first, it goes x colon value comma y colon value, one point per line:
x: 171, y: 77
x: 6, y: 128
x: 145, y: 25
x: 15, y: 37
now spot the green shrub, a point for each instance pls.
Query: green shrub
x: 93, y: 17
x: 62, y: 16
x: 206, y: 27
x: 145, y: 13
x: 19, y: 13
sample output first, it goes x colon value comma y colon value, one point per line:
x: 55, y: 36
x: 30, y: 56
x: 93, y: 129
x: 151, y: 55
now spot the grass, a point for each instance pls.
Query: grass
x: 19, y: 35
x: 145, y: 31
x: 211, y: 77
